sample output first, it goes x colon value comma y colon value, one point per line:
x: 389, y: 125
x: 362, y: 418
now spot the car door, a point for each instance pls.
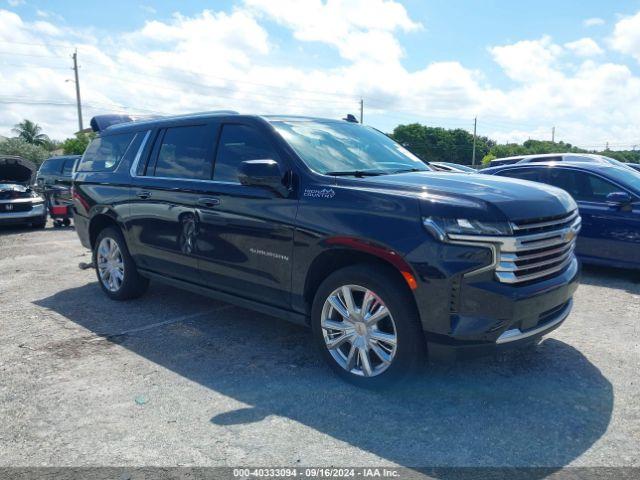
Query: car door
x: 245, y: 233
x: 165, y: 190
x: 609, y: 232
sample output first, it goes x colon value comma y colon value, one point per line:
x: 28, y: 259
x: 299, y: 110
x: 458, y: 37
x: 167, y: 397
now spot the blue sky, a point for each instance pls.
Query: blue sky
x: 434, y: 61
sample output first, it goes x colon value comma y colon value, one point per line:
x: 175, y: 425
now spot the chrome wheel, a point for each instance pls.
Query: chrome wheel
x: 110, y: 264
x: 359, y: 330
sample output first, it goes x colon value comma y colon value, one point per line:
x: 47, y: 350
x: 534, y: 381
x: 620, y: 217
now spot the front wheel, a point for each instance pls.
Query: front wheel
x: 366, y: 325
x: 117, y: 274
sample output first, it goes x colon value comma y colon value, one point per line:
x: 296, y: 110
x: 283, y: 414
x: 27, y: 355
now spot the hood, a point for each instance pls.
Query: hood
x: 17, y: 170
x: 488, y: 196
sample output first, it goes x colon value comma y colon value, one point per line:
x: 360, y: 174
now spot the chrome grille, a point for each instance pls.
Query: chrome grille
x: 539, y: 248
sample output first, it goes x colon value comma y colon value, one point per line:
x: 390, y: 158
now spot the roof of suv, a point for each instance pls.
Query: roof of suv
x: 122, y: 123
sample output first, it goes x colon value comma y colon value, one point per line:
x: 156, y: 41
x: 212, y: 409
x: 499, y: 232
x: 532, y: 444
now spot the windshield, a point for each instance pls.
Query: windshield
x: 342, y: 147
x: 627, y: 177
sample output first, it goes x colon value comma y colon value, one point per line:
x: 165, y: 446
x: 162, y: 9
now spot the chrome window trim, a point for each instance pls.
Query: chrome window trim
x: 136, y: 160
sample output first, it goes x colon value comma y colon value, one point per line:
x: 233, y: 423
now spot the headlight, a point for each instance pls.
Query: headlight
x: 441, y: 227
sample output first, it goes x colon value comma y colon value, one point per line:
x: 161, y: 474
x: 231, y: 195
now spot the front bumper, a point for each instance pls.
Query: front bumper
x: 36, y: 213
x: 492, y: 316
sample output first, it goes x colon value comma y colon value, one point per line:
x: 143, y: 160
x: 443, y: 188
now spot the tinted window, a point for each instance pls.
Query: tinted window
x: 104, y: 153
x: 531, y: 174
x: 68, y: 167
x: 184, y: 153
x: 53, y: 165
x: 237, y: 144
x: 581, y: 185
x: 335, y: 146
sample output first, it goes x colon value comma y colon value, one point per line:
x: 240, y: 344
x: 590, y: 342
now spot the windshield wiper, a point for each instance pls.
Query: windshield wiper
x: 355, y: 173
x: 408, y: 170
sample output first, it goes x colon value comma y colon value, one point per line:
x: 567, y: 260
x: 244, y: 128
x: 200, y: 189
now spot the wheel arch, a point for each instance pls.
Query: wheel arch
x: 345, y: 254
x: 99, y: 222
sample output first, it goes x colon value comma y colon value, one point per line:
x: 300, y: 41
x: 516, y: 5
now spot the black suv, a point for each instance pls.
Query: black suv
x: 330, y: 224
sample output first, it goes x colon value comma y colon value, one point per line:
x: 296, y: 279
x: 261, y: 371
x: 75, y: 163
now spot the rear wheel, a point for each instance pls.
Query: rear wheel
x: 117, y: 274
x: 366, y: 325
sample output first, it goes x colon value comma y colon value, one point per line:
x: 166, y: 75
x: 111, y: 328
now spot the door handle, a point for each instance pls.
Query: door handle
x: 143, y: 194
x: 209, y: 202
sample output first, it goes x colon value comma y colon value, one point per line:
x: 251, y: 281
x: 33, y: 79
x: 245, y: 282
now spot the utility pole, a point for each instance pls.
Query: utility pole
x: 361, y: 110
x: 473, y: 156
x: 553, y: 135
x: 75, y: 70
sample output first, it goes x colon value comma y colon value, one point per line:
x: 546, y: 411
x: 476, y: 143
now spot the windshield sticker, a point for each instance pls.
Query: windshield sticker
x: 319, y: 193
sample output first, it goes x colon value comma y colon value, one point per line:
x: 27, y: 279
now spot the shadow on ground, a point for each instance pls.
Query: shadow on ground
x: 609, y: 277
x: 543, y: 407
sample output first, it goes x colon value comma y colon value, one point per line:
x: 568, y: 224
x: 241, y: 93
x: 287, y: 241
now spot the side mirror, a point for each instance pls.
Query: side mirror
x: 619, y: 199
x: 262, y: 173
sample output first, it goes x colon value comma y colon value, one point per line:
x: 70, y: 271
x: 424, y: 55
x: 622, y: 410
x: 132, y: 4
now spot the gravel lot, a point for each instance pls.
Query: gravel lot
x: 178, y: 379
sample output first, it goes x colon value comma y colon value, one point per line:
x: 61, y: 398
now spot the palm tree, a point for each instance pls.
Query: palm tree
x: 30, y: 132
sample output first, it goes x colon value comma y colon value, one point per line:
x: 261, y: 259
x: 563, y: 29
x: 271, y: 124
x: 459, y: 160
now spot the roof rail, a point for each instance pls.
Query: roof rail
x: 102, y: 122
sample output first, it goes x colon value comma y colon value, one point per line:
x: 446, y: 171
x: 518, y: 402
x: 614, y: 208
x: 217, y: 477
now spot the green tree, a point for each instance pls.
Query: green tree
x: 438, y: 144
x: 30, y: 132
x: 29, y: 151
x: 77, y: 145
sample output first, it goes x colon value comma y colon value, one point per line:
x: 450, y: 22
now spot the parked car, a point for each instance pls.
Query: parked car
x: 19, y: 203
x: 608, y: 198
x: 330, y: 224
x: 56, y: 171
x: 635, y: 166
x: 54, y: 184
x: 557, y: 157
x: 451, y: 167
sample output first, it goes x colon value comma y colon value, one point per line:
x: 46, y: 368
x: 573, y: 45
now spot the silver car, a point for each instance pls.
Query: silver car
x: 19, y: 202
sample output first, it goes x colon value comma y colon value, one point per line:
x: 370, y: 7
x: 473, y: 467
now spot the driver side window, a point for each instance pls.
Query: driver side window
x: 239, y: 143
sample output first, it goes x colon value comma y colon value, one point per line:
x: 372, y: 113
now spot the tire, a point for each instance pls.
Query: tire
x: 402, y: 323
x: 120, y: 279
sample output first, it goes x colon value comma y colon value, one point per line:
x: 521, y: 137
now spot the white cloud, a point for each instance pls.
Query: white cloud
x: 626, y: 36
x: 593, y: 22
x: 528, y: 60
x: 222, y: 60
x: 585, y: 47
x: 15, y: 3
x: 361, y: 30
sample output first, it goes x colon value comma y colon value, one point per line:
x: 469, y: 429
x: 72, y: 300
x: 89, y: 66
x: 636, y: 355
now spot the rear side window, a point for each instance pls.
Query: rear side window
x: 104, y: 153
x: 237, y: 144
x: 184, y: 153
x: 531, y: 174
x: 53, y: 165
